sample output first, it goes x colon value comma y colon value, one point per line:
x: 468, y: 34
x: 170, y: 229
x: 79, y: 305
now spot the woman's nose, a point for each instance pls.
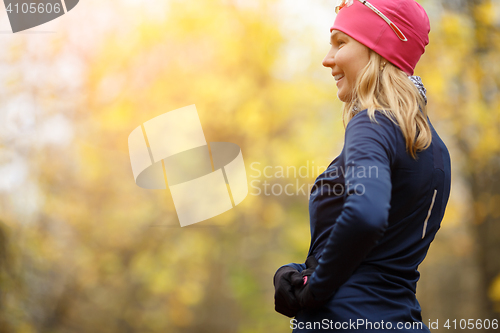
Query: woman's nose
x: 329, y: 60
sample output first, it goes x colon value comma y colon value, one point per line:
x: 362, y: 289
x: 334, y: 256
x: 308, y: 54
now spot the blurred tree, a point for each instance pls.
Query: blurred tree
x: 5, y: 281
x: 481, y: 139
x: 104, y: 255
x: 462, y: 73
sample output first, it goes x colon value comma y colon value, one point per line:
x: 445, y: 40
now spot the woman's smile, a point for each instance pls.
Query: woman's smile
x: 338, y: 78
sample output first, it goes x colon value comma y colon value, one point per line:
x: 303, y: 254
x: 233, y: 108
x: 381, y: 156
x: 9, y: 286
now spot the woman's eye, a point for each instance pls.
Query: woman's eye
x: 340, y: 43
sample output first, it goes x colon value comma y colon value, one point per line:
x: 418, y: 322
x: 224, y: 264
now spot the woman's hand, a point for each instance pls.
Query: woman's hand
x: 311, y: 264
x: 285, y: 280
x: 288, y: 282
x: 302, y: 293
x: 306, y: 299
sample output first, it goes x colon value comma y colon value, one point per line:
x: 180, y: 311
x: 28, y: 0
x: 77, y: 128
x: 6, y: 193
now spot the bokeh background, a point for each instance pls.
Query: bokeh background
x: 83, y: 249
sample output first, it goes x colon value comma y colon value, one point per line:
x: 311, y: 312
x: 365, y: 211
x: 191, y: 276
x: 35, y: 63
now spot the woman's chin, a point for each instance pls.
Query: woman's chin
x: 342, y: 97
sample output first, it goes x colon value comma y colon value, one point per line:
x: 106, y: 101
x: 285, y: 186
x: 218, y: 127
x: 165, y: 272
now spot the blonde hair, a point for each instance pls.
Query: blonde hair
x: 383, y: 87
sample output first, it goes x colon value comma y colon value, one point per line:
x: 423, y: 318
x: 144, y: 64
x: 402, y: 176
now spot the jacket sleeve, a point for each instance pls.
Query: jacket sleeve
x: 299, y: 267
x: 369, y: 152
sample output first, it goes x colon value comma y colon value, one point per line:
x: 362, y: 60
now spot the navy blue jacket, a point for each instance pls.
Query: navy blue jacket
x: 373, y: 214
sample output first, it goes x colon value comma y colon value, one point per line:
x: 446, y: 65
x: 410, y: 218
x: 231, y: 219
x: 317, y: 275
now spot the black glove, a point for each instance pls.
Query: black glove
x: 286, y: 281
x: 311, y: 264
x: 306, y: 299
x: 284, y: 297
x: 303, y: 295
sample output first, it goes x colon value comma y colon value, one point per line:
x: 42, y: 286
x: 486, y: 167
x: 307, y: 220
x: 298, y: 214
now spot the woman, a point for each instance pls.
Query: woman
x: 376, y: 209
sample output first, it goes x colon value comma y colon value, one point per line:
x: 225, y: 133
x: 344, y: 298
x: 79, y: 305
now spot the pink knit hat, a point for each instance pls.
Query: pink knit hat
x: 364, y: 25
